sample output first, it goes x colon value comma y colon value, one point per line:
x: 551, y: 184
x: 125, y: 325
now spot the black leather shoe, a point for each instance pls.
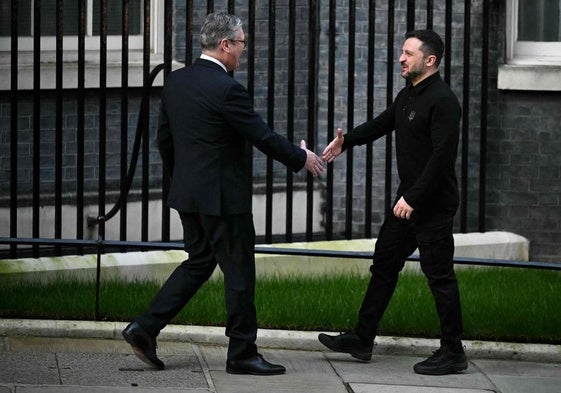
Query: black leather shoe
x: 255, y: 365
x: 348, y: 343
x: 443, y: 361
x: 143, y: 345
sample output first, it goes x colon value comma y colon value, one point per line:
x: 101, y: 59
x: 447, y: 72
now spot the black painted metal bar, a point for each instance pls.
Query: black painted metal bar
x: 250, y: 75
x: 58, y: 120
x: 312, y: 108
x: 290, y: 114
x: 146, y: 120
x: 124, y: 117
x: 350, y: 119
x: 270, y: 250
x: 80, y: 126
x: 410, y: 15
x: 36, y: 122
x: 14, y: 98
x: 168, y: 48
x: 448, y: 41
x: 430, y: 14
x: 210, y: 6
x: 484, y: 111
x: 270, y: 119
x: 370, y: 115
x: 102, y: 143
x: 465, y: 117
x: 389, y: 100
x: 332, y: 34
x: 102, y: 112
x: 189, y: 33
x: 251, y: 54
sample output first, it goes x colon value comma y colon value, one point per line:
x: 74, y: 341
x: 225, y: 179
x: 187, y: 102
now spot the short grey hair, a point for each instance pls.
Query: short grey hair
x: 218, y: 26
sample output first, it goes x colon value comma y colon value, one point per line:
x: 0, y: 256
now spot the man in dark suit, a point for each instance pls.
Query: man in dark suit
x: 206, y: 121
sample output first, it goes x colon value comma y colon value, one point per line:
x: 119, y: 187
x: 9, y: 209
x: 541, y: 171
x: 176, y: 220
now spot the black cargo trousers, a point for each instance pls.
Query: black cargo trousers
x: 397, y: 240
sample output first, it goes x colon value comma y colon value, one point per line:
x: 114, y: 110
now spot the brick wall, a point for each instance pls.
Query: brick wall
x: 524, y: 172
x: 69, y: 143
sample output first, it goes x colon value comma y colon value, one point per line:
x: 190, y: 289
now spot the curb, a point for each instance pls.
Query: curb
x: 275, y: 339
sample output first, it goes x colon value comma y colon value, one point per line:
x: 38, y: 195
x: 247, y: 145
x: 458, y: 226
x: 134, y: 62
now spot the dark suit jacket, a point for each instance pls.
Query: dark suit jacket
x: 206, y: 120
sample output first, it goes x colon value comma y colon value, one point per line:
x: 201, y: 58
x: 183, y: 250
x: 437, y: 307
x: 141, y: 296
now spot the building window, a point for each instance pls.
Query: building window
x: 70, y: 24
x: 534, y: 32
x: 533, y: 46
x: 70, y: 41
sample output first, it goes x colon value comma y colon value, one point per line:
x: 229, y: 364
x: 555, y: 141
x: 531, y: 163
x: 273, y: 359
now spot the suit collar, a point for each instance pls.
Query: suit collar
x: 208, y: 60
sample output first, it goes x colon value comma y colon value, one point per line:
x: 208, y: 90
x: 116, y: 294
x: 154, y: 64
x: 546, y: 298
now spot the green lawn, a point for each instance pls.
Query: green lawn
x: 501, y: 304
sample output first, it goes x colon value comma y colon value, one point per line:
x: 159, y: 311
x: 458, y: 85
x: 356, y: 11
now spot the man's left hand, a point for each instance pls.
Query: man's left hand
x: 402, y: 209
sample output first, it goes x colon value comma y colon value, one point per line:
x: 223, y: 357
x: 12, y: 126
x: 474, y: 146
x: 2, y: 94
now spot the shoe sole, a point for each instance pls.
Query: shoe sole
x: 248, y: 372
x: 454, y: 369
x: 129, y: 338
x: 364, y: 356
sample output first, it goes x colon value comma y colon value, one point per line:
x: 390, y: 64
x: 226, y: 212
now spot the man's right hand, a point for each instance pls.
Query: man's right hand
x: 334, y: 148
x: 313, y: 162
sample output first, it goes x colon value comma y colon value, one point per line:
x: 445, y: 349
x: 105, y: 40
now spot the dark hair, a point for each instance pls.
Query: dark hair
x: 432, y: 43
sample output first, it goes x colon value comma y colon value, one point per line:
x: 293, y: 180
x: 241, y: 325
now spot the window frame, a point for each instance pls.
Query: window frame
x: 527, y: 52
x: 529, y: 65
x: 92, y: 55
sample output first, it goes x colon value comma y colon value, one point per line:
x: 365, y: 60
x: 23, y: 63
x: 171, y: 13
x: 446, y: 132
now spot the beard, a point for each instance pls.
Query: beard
x: 413, y: 73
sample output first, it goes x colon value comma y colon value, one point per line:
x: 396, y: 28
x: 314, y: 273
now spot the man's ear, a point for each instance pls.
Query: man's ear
x: 430, y: 60
x: 225, y: 45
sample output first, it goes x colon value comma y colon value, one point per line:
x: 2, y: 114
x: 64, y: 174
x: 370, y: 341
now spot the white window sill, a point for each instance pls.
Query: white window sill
x: 70, y: 73
x: 529, y: 77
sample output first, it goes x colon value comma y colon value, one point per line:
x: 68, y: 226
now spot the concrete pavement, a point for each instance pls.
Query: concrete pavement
x: 73, y: 356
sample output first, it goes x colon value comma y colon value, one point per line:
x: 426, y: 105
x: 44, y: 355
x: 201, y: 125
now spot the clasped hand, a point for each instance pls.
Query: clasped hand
x: 314, y: 164
x: 334, y: 148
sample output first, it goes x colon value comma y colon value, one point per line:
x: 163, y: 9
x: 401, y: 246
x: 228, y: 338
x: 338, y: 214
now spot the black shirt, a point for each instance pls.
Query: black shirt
x: 426, y: 120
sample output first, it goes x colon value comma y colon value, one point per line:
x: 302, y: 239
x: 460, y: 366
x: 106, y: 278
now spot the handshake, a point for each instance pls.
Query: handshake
x: 314, y: 164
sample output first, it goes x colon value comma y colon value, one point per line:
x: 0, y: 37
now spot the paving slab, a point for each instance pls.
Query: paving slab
x: 305, y: 372
x: 98, y: 389
x: 68, y: 344
x: 396, y: 370
x: 522, y: 377
x: 128, y: 371
x: 28, y: 368
x: 377, y: 388
x: 519, y: 368
x: 510, y: 384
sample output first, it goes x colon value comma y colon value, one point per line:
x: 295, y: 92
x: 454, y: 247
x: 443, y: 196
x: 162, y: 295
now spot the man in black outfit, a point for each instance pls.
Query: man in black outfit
x: 425, y: 116
x: 206, y: 129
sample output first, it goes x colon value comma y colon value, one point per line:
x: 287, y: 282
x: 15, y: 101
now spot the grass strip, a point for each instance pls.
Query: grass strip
x: 498, y: 304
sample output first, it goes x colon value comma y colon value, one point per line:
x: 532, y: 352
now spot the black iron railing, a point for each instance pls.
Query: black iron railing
x: 315, y: 32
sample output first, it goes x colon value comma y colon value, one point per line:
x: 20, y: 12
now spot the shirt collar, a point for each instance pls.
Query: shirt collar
x: 424, y: 83
x: 214, y: 60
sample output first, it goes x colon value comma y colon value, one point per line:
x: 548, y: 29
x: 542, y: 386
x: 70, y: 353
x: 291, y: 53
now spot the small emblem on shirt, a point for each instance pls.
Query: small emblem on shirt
x: 411, y: 115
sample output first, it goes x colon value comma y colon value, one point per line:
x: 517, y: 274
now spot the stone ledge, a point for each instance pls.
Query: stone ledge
x: 157, y: 265
x: 28, y: 335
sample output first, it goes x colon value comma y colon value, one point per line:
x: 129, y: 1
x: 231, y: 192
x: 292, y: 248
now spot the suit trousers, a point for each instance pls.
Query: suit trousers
x: 397, y: 240
x: 228, y: 241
